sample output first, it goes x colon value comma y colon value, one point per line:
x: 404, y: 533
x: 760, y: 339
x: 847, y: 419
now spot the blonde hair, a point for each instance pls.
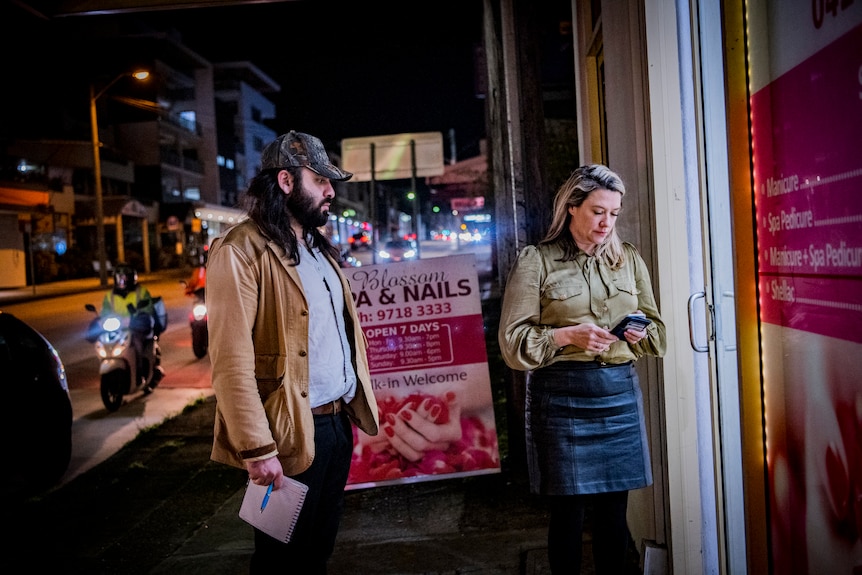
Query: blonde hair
x: 574, y: 192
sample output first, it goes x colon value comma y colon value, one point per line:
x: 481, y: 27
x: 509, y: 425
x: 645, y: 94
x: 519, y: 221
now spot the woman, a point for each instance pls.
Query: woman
x: 585, y: 430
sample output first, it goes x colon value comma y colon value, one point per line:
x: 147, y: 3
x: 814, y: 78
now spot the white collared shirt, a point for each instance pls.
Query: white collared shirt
x: 331, y: 373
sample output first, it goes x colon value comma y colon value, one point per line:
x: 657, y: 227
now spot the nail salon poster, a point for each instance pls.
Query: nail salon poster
x: 806, y: 118
x: 429, y: 371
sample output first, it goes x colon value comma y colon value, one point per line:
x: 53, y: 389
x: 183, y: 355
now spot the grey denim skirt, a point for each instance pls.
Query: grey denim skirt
x: 585, y: 429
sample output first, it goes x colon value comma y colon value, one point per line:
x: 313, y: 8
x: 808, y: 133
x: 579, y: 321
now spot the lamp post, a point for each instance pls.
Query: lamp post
x: 97, y: 172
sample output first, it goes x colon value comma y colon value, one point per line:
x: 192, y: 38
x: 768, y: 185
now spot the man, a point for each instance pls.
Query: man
x: 126, y: 291
x: 290, y: 371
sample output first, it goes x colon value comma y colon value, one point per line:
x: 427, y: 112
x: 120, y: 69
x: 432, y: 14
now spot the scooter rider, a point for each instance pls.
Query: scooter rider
x: 127, y: 291
x: 197, y: 281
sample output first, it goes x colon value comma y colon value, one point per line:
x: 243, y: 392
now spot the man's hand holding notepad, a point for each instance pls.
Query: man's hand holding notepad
x: 277, y: 517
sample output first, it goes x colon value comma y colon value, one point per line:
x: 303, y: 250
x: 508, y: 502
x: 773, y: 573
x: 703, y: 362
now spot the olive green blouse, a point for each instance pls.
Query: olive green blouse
x: 543, y: 293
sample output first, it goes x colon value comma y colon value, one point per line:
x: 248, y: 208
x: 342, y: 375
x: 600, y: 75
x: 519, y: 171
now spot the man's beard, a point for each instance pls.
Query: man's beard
x: 303, y: 208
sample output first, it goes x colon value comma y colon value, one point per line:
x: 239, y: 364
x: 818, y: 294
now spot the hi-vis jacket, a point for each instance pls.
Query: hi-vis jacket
x: 258, y: 346
x: 114, y: 303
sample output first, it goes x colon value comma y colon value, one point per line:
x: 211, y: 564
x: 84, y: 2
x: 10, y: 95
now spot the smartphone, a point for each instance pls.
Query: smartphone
x: 631, y: 321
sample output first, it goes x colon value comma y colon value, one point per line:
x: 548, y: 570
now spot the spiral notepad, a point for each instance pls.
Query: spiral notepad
x: 279, y: 517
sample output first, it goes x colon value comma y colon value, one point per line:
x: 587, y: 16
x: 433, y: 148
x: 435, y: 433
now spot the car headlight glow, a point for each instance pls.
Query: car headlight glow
x: 199, y: 312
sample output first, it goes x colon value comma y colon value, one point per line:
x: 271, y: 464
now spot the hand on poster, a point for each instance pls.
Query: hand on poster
x: 424, y: 434
x: 843, y: 470
x: 424, y: 425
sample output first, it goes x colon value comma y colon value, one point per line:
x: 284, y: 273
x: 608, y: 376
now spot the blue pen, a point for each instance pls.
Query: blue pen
x: 266, y: 498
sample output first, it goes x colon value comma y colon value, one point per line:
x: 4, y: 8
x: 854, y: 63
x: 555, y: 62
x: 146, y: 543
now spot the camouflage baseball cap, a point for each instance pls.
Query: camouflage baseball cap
x: 298, y: 149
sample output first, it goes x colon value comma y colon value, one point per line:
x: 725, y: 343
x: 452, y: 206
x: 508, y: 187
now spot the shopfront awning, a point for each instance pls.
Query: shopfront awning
x: 216, y: 213
x: 113, y: 207
x: 26, y: 198
x: 467, y: 178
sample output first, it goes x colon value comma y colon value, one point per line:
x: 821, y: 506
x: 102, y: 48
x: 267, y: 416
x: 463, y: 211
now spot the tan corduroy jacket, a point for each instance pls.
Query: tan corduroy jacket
x: 258, y: 346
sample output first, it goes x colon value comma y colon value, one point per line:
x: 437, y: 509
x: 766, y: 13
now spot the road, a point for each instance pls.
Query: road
x: 436, y: 249
x: 96, y: 433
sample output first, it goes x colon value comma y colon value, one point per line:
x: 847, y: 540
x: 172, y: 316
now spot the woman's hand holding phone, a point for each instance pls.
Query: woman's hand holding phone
x: 637, y: 322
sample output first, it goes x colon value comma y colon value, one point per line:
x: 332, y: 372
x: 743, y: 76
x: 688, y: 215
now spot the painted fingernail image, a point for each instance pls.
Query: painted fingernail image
x: 837, y: 483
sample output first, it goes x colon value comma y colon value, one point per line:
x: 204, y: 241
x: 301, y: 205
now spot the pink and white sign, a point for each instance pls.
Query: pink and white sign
x: 429, y: 369
x: 807, y: 132
x: 806, y: 120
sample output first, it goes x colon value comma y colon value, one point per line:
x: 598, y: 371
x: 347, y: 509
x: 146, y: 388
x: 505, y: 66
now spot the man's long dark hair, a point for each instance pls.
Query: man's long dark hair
x: 266, y: 205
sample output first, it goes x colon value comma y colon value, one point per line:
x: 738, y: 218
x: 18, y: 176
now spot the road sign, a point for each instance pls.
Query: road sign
x: 392, y: 156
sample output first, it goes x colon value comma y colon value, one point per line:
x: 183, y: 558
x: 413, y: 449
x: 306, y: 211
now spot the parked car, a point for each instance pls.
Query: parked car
x: 359, y: 241
x: 398, y: 251
x: 37, y: 419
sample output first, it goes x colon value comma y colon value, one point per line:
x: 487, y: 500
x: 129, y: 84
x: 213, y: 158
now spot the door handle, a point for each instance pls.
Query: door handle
x: 691, y: 336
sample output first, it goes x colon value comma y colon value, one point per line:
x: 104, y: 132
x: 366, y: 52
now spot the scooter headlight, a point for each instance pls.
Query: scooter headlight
x: 199, y: 312
x: 113, y: 343
x: 111, y: 323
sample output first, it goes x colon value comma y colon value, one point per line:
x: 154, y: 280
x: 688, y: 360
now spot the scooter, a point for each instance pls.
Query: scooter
x: 121, y: 370
x: 198, y: 319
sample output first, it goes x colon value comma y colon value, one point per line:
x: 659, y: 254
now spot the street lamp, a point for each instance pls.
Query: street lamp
x: 97, y: 171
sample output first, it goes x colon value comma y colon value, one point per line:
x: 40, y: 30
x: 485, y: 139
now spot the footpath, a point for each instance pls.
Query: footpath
x: 160, y: 506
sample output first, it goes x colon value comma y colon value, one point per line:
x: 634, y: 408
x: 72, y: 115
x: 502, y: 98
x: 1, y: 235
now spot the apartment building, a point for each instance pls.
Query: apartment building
x: 175, y: 153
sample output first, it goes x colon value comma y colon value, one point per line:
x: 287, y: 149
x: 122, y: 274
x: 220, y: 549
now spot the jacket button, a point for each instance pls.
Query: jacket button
x: 304, y: 312
x: 302, y: 353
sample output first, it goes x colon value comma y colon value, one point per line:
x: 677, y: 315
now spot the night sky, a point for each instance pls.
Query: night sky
x: 360, y: 69
x: 346, y: 70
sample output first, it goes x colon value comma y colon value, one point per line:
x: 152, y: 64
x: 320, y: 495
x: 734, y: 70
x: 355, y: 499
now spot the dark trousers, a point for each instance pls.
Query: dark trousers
x: 313, y: 538
x: 610, y: 532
